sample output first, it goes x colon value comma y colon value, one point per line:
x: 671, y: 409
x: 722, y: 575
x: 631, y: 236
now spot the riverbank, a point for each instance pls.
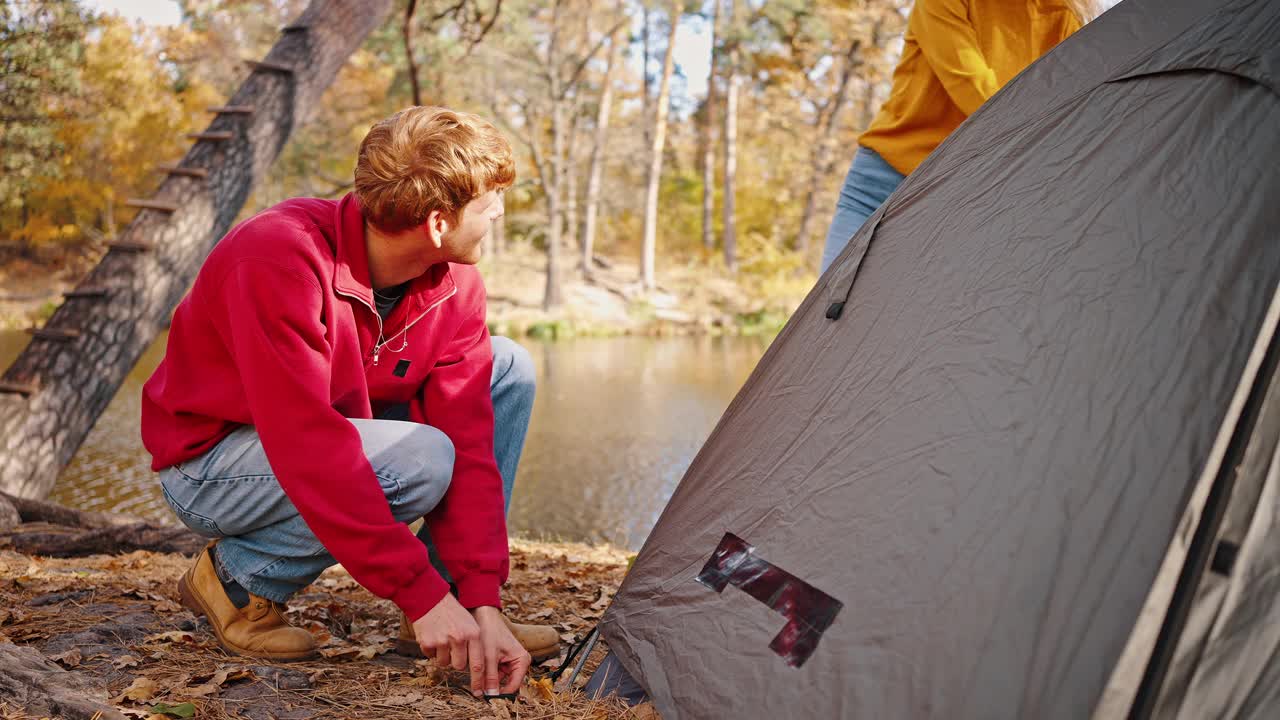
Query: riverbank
x: 115, y: 624
x: 692, y: 298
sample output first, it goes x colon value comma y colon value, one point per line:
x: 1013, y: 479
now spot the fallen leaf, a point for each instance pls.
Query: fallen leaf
x: 69, y: 659
x: 569, y: 638
x: 606, y: 597
x: 541, y: 614
x: 174, y: 636
x: 126, y: 661
x: 545, y: 688
x: 644, y: 711
x: 142, y: 689
x: 501, y: 709
x: 350, y: 652
x: 182, y: 710
x: 402, y: 699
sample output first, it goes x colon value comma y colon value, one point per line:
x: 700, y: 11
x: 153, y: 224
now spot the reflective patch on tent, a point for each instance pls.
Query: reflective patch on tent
x: 808, y: 610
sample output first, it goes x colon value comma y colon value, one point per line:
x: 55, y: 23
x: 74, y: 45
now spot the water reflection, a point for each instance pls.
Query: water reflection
x: 615, y: 425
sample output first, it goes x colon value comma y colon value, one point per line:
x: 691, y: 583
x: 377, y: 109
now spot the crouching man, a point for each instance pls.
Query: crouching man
x: 330, y: 379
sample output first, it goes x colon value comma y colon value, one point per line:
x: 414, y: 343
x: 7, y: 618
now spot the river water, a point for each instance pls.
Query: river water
x: 616, y: 423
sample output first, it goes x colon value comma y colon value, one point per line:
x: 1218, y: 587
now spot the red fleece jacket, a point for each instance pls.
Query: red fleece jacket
x: 279, y: 332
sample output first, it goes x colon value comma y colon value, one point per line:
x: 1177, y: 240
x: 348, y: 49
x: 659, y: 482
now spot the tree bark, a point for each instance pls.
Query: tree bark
x: 67, y: 383
x: 730, y: 231
x: 412, y: 66
x: 62, y: 541
x: 42, y: 511
x: 708, y: 144
x: 39, y: 688
x: 820, y: 161
x: 551, y: 296
x: 649, y: 246
x: 46, y: 528
x: 598, y: 153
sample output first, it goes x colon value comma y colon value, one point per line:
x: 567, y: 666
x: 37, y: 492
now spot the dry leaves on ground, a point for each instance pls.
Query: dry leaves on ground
x: 115, y: 620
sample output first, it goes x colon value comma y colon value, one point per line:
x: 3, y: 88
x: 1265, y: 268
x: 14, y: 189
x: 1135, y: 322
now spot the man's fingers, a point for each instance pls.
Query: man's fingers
x: 476, y: 656
x: 518, y: 666
x: 492, y: 671
x: 458, y: 650
x: 442, y: 656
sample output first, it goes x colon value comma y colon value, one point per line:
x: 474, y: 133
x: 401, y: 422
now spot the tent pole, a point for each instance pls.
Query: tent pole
x: 1256, y: 380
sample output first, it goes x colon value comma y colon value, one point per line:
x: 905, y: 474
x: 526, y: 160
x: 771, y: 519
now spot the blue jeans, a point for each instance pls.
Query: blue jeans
x: 230, y: 492
x: 869, y: 183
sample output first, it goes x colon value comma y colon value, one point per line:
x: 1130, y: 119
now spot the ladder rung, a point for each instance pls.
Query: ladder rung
x: 212, y: 135
x: 131, y: 245
x: 294, y: 27
x: 54, y: 333
x: 231, y: 109
x: 270, y: 66
x: 194, y: 172
x: 145, y: 204
x: 86, y: 292
x: 26, y: 389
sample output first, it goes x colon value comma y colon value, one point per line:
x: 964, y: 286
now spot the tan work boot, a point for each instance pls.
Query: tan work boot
x: 542, y: 641
x: 256, y: 630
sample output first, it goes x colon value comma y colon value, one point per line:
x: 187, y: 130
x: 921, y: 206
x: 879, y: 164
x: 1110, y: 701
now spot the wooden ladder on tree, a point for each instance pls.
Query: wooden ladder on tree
x: 56, y: 388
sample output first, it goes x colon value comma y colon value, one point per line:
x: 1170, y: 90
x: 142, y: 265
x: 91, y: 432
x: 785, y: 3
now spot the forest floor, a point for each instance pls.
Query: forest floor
x: 691, y: 298
x: 115, y: 623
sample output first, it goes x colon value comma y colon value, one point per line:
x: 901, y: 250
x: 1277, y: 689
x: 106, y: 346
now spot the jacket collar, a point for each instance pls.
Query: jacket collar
x: 351, y: 276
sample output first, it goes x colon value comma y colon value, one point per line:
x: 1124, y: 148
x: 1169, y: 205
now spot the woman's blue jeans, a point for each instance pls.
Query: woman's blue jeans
x: 869, y: 183
x: 230, y: 492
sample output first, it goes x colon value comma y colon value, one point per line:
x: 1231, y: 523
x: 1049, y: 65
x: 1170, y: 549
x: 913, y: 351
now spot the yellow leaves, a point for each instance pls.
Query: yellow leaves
x: 141, y: 690
x: 175, y: 636
x: 131, y: 113
x: 216, y: 681
x: 544, y: 688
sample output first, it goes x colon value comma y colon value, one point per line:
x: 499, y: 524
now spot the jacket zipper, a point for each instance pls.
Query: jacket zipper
x: 381, y: 341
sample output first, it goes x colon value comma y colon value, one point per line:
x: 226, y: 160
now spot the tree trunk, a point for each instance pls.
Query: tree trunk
x: 36, y: 687
x: 46, y: 528
x: 571, y: 228
x: 31, y: 510
x: 56, y: 389
x: 645, y: 99
x: 824, y: 147
x: 730, y: 230
x: 498, y: 238
x: 598, y: 153
x: 649, y: 247
x: 61, y: 541
x: 406, y: 32
x: 708, y: 144
x: 551, y: 296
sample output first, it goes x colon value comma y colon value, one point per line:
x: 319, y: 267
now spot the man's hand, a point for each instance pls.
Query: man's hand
x: 446, y: 633
x: 496, y: 654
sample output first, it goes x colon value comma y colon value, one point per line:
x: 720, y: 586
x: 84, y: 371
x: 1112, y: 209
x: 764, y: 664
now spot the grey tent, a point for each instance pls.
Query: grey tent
x: 1016, y: 454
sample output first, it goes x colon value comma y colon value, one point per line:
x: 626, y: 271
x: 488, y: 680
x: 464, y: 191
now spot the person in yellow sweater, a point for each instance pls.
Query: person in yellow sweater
x: 956, y: 54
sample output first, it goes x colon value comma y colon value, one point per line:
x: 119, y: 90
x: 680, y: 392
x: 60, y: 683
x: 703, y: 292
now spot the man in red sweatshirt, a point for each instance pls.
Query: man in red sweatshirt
x: 328, y: 380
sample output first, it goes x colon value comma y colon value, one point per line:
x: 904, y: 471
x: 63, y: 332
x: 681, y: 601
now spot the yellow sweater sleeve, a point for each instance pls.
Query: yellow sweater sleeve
x: 950, y: 46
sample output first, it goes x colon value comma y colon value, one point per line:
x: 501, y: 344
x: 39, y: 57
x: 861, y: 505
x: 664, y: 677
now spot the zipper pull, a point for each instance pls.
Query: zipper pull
x: 376, y: 352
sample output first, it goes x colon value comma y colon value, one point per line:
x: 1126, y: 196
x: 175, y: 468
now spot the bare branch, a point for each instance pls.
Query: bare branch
x: 408, y: 52
x: 577, y: 71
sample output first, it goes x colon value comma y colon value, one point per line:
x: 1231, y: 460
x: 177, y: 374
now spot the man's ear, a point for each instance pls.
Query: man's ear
x: 437, y: 227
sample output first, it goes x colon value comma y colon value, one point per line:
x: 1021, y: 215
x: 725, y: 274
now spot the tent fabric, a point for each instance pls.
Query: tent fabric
x: 1224, y: 665
x: 985, y: 456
